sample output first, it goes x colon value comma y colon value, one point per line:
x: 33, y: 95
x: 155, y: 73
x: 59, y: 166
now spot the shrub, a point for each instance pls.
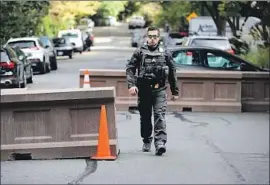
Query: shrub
x: 259, y: 57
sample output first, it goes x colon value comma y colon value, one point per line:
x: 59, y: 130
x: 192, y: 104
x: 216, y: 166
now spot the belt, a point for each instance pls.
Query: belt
x: 156, y: 86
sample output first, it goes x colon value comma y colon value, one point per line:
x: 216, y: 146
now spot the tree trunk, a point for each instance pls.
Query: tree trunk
x: 202, y: 10
x: 232, y: 25
x: 243, y: 24
x: 221, y: 28
x: 237, y: 23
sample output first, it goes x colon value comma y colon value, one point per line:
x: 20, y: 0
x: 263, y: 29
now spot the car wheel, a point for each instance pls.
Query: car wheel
x: 134, y: 45
x: 43, y: 68
x: 54, y: 64
x: 48, y: 68
x: 30, y: 79
x: 70, y: 55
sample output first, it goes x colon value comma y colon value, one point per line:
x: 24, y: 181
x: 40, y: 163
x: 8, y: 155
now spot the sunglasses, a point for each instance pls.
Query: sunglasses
x: 153, y: 36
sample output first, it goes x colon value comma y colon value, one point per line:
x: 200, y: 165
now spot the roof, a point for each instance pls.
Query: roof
x: 192, y: 48
x: 70, y: 30
x: 22, y: 38
x: 44, y: 37
x: 209, y: 37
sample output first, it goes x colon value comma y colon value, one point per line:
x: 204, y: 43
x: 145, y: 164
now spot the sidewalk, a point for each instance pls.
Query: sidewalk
x: 202, y: 148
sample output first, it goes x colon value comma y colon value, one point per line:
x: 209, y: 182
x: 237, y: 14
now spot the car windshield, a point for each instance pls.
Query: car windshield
x: 4, y: 57
x: 214, y: 43
x: 59, y: 41
x: 45, y: 41
x: 23, y: 44
x: 70, y: 35
x: 175, y: 36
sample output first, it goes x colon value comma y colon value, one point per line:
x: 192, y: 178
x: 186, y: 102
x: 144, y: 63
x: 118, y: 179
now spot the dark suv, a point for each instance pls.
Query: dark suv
x: 15, y: 68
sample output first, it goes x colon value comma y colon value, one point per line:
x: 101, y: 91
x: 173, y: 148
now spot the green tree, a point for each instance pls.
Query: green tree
x: 111, y: 7
x: 130, y: 8
x: 214, y: 8
x: 173, y: 11
x: 261, y: 10
x: 150, y: 11
x: 65, y: 15
x: 73, y: 11
x: 19, y: 18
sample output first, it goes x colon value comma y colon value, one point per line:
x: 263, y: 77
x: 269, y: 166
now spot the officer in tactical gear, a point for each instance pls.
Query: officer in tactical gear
x: 154, y: 65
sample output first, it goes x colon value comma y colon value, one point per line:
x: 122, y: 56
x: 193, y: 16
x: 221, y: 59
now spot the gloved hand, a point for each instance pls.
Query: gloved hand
x: 133, y: 90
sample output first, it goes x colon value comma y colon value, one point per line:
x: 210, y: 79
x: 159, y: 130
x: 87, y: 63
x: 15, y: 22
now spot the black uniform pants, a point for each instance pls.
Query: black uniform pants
x: 147, y: 99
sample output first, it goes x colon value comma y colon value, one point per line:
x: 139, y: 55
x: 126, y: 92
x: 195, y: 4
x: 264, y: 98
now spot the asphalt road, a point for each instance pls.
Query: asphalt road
x: 202, y: 148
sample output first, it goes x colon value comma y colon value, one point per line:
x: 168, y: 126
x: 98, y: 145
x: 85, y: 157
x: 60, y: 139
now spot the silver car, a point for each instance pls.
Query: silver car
x: 47, y: 42
x: 218, y: 42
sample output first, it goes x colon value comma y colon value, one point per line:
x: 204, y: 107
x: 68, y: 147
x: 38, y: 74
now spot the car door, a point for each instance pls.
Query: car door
x: 187, y: 58
x: 219, y: 60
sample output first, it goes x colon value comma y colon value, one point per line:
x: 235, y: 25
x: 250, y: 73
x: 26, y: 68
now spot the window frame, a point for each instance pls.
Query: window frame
x: 228, y: 57
x: 185, y: 51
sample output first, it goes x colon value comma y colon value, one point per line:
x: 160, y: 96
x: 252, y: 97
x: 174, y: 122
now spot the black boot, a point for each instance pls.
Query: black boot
x: 146, y: 147
x: 160, y: 149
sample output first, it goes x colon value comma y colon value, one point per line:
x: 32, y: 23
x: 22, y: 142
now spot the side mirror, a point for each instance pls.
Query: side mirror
x: 47, y: 46
x: 21, y: 57
x: 244, y: 67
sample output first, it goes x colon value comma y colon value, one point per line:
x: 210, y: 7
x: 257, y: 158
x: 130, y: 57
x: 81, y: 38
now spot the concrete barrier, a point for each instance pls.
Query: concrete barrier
x: 202, y: 91
x: 48, y: 124
x: 199, y: 90
x: 255, y: 91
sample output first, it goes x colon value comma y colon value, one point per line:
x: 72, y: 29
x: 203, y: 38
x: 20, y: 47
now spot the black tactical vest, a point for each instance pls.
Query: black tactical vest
x: 153, y: 66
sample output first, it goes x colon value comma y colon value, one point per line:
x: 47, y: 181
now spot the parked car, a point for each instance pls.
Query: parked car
x: 35, y: 51
x: 47, y: 42
x: 218, y: 42
x: 15, y: 69
x: 76, y: 38
x: 210, y: 58
x: 63, y: 46
x: 111, y: 20
x: 136, y: 38
x: 172, y: 39
x: 86, y: 24
x: 136, y: 22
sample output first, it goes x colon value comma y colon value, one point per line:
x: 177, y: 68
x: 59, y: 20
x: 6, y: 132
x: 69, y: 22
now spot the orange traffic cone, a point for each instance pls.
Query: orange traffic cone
x: 86, y: 81
x: 103, y: 149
